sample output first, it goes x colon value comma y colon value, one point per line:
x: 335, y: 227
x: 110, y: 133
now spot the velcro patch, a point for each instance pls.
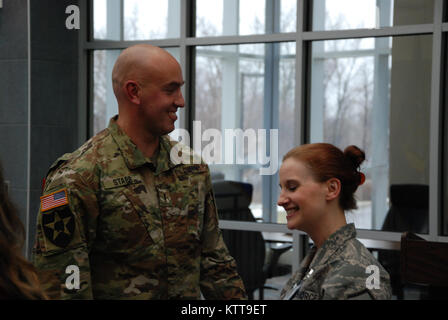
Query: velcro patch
x: 59, y: 226
x: 53, y: 200
x: 115, y: 182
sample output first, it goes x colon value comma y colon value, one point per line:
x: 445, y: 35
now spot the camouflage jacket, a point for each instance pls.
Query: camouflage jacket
x: 339, y: 270
x: 136, y: 228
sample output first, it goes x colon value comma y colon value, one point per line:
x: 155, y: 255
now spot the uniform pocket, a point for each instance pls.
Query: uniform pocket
x: 149, y: 217
x: 120, y: 225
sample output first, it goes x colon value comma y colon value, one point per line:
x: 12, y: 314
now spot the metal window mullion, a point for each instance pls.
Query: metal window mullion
x: 185, y: 62
x: 369, y: 33
x: 435, y: 124
x: 246, y: 39
x: 84, y: 102
x: 88, y: 5
x: 122, y: 20
x: 270, y: 112
x: 299, y: 137
x: 112, y: 45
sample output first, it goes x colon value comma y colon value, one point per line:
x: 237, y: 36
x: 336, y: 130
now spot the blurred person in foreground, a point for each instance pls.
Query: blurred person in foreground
x: 318, y: 182
x: 18, y: 278
x: 118, y: 218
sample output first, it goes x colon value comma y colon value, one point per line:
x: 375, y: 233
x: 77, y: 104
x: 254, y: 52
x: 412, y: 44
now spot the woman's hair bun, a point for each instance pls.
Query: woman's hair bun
x: 355, y: 155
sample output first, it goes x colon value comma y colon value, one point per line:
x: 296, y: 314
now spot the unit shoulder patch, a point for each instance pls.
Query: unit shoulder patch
x: 59, y: 226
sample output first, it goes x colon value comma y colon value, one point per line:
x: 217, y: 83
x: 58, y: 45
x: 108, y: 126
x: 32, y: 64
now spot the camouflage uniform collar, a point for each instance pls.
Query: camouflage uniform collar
x: 164, y: 162
x: 335, y: 242
x: 133, y: 157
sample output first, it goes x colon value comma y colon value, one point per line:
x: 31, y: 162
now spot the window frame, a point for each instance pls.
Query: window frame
x: 303, y: 40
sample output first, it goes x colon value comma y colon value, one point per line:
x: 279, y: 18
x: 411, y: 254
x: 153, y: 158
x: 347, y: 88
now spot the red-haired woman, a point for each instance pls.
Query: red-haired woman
x: 318, y: 182
x: 18, y: 279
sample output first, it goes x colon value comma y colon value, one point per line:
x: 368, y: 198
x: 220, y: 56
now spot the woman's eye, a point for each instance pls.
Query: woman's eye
x: 292, y: 188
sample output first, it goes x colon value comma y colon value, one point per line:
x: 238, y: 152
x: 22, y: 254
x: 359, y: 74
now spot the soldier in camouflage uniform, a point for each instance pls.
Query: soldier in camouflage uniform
x: 337, y: 270
x: 136, y: 224
x: 318, y: 182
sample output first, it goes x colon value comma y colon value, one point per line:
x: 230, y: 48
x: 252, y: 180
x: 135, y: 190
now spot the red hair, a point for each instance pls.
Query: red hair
x: 327, y: 161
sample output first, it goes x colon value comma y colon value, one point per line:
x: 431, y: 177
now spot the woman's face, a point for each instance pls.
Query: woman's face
x: 303, y: 198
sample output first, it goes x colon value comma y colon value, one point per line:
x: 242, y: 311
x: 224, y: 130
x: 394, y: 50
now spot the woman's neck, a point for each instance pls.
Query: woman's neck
x: 333, y: 221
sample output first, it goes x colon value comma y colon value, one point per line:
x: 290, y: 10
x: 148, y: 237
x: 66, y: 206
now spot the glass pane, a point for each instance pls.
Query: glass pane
x: 143, y: 19
x: 375, y: 93
x: 355, y: 14
x: 104, y: 102
x: 151, y: 19
x: 102, y: 19
x: 236, y: 87
x: 243, y: 17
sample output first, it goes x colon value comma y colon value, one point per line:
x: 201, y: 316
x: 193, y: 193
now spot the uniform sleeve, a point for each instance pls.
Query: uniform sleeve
x: 65, y: 228
x: 219, y: 277
x: 348, y: 282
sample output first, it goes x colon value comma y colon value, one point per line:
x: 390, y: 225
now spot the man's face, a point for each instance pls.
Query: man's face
x: 161, y: 97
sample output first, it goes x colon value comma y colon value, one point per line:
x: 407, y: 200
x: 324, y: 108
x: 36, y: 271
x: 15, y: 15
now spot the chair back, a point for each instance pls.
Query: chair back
x: 247, y: 247
x: 423, y: 262
x: 409, y: 208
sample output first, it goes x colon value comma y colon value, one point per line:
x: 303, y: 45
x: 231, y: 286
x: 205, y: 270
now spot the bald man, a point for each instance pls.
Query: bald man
x: 118, y: 219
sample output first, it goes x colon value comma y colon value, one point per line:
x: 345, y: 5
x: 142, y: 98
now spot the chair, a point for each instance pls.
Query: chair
x: 247, y: 247
x: 408, y: 212
x: 425, y: 264
x: 409, y: 208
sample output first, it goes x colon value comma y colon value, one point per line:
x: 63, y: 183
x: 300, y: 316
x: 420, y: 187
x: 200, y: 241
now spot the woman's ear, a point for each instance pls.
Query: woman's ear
x: 333, y: 188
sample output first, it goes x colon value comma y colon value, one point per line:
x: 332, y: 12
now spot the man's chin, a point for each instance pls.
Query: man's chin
x: 166, y: 131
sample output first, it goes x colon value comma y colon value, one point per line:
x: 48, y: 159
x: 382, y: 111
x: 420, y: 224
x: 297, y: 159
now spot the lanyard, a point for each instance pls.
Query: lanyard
x: 297, y: 286
x: 293, y: 291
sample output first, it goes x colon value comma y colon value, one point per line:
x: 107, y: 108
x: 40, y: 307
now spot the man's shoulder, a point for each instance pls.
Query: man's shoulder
x: 93, y: 152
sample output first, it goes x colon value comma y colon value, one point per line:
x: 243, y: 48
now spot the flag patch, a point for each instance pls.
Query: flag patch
x: 53, y: 200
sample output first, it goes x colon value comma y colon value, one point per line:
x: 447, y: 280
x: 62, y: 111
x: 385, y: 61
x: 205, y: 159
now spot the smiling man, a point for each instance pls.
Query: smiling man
x: 134, y: 224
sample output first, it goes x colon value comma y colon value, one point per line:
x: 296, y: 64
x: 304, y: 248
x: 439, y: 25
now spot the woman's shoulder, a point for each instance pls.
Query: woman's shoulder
x: 355, y: 271
x: 355, y: 258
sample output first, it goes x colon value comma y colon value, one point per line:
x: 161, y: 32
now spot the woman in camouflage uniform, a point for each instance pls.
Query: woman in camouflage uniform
x: 318, y: 182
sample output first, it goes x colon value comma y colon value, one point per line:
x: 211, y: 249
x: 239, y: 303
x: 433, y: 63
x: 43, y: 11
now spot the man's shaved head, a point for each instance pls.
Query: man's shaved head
x: 147, y: 82
x: 140, y: 63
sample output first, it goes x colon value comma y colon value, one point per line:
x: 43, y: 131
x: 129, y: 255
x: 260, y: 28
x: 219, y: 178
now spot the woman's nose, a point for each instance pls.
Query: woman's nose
x: 282, y: 200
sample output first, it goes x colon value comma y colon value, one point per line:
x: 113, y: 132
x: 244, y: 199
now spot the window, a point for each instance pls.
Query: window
x: 244, y: 17
x: 339, y: 71
x: 248, y: 87
x: 375, y: 93
x: 368, y: 14
x: 136, y: 19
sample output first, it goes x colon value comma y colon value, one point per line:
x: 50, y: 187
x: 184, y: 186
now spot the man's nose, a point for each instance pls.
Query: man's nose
x: 180, y: 102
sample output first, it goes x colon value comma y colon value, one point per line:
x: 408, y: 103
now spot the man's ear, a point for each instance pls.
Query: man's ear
x: 333, y: 188
x: 132, y: 91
